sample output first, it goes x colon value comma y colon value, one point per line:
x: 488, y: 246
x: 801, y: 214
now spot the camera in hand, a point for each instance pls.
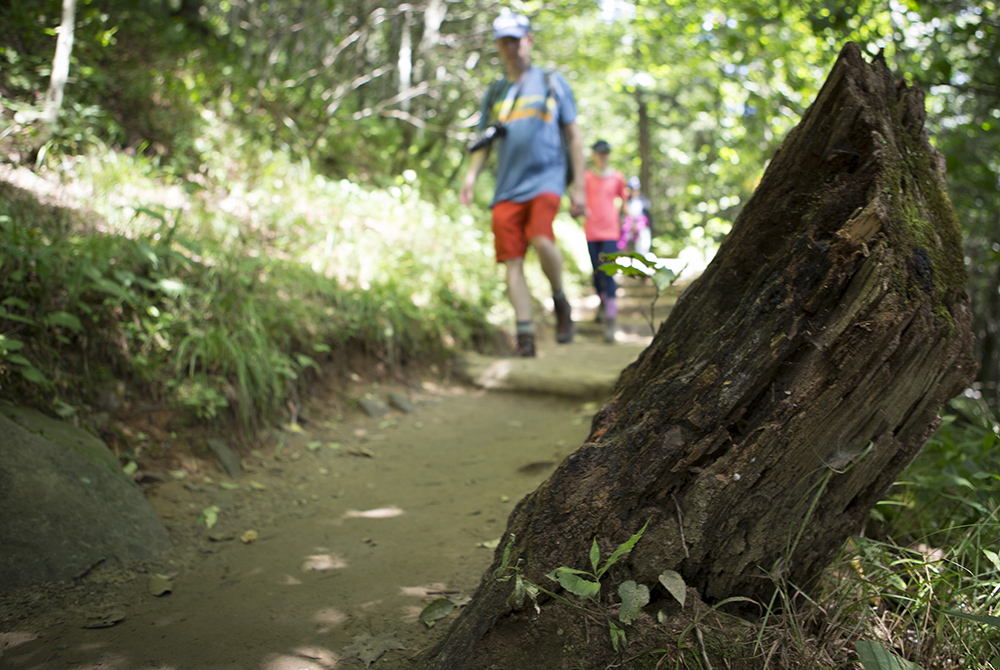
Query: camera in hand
x: 492, y: 131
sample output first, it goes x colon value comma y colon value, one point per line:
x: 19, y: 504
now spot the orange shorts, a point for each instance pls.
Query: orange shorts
x: 516, y: 223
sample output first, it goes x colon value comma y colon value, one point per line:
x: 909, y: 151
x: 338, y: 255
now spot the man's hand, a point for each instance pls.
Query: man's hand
x: 468, y: 191
x: 578, y: 196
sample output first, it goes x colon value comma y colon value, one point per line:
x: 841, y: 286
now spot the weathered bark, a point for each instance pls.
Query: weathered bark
x: 808, y: 363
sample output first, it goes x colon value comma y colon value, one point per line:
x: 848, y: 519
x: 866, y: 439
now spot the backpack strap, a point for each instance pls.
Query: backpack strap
x: 493, y: 94
x: 552, y: 85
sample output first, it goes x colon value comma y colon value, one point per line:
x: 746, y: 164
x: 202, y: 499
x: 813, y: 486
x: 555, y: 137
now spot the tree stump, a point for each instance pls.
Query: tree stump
x: 791, y: 384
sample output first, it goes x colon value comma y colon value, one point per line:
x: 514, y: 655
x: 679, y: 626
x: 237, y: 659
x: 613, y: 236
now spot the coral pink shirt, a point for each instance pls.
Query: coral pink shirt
x: 604, y: 198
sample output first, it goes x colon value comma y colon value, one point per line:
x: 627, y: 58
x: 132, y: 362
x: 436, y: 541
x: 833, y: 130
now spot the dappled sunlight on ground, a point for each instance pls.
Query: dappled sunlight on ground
x: 324, y: 562
x: 329, y: 618
x: 422, y: 591
x: 354, y: 544
x: 305, y: 661
x: 11, y: 639
x: 380, y: 513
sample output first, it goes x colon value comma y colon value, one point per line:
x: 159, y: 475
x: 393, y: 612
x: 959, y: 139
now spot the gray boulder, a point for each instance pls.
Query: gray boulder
x: 63, y: 512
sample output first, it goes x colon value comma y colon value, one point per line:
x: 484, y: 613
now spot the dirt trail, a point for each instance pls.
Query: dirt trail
x: 359, y: 524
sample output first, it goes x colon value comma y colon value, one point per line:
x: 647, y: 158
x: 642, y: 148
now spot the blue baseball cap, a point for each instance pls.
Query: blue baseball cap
x: 511, y: 25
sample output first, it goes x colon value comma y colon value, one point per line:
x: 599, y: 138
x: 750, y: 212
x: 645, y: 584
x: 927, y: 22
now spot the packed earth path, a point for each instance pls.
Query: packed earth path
x: 351, y: 539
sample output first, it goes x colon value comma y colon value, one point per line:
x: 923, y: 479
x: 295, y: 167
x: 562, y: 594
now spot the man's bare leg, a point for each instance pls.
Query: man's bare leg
x: 551, y: 260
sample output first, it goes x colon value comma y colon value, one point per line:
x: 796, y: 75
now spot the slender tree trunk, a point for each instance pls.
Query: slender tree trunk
x: 60, y: 67
x: 789, y: 387
x: 645, y: 164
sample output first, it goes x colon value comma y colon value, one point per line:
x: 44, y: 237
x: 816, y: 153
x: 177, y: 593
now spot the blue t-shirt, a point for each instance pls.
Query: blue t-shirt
x: 530, y: 155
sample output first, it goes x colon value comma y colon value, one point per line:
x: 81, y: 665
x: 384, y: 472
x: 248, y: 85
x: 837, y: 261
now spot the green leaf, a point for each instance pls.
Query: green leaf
x: 436, y: 611
x: 978, y: 618
x: 634, y: 598
x: 664, y: 279
x: 172, y: 287
x: 876, y: 657
x: 505, y: 560
x: 14, y: 317
x: 306, y: 362
x: 522, y: 588
x: 8, y: 344
x: 570, y: 580
x: 64, y: 319
x: 623, y: 548
x: 130, y: 468
x: 33, y: 375
x: 595, y: 555
x: 614, y: 268
x: 113, y: 289
x: 617, y: 635
x: 209, y: 516
x: 17, y: 303
x: 674, y: 584
x: 63, y: 410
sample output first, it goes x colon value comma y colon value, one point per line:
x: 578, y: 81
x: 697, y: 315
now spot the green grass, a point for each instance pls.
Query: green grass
x: 223, y: 299
x: 923, y: 584
x: 920, y: 589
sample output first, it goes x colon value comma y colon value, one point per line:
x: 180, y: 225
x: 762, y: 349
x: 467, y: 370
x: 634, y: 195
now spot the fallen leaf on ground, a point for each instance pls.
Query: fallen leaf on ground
x: 435, y: 611
x: 104, y: 619
x: 369, y: 649
x: 160, y: 585
x: 209, y: 516
x: 361, y: 451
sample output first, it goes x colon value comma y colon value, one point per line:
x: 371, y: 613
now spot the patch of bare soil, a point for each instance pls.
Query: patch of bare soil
x: 322, y: 555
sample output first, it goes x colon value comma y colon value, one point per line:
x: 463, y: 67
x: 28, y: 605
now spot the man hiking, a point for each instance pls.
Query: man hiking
x: 528, y: 114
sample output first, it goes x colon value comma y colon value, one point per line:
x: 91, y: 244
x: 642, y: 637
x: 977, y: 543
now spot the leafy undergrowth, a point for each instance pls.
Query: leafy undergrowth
x: 222, y: 305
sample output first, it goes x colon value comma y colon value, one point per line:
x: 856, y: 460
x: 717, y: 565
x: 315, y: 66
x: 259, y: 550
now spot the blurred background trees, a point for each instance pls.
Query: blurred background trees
x: 693, y: 96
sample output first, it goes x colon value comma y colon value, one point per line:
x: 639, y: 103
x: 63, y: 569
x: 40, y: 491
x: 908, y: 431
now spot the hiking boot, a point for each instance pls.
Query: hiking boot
x: 564, y: 321
x: 526, y: 345
x: 610, y: 329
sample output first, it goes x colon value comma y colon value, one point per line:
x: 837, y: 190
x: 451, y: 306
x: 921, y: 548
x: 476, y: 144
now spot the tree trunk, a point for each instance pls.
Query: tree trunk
x: 60, y: 68
x: 645, y: 165
x: 789, y: 387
